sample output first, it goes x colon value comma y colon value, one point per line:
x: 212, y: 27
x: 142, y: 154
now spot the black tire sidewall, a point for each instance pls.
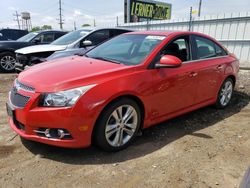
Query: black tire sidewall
x: 6, y: 54
x: 218, y: 103
x: 99, y: 131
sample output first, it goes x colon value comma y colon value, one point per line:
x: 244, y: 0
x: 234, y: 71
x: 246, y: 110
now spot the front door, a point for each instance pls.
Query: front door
x: 174, y: 88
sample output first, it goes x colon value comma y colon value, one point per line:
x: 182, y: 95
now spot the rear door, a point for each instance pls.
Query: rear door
x: 209, y: 58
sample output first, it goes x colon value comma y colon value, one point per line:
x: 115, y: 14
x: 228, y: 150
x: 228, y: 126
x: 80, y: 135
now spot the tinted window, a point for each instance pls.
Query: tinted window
x: 47, y: 38
x: 127, y: 49
x: 205, y: 48
x: 115, y: 32
x: 98, y: 37
x: 57, y: 35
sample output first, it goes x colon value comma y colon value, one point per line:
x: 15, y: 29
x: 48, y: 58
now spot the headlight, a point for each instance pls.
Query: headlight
x: 65, y: 98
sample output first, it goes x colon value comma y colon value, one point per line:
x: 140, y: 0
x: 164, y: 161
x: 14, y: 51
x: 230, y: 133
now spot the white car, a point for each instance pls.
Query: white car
x: 73, y: 43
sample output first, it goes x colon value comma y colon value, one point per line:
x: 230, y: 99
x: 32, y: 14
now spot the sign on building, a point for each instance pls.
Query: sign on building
x: 145, y: 10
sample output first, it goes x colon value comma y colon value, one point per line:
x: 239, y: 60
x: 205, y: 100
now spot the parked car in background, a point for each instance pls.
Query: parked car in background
x: 130, y: 82
x: 8, y: 48
x: 12, y: 34
x: 75, y: 42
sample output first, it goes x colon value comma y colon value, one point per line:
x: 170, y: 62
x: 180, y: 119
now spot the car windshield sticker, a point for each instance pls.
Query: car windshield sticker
x: 154, y: 37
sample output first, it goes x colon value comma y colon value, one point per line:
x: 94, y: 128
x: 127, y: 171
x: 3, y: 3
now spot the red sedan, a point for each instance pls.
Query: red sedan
x: 128, y: 83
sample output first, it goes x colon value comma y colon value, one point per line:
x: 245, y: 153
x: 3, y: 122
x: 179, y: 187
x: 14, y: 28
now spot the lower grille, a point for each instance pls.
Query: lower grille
x: 17, y: 99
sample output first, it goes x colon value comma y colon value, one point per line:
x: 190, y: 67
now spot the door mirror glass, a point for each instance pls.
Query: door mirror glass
x: 169, y: 61
x: 86, y: 43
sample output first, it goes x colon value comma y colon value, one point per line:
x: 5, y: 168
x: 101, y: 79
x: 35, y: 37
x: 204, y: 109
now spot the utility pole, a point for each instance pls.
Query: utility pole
x: 94, y: 23
x: 17, y: 19
x: 190, y: 19
x: 60, y: 15
x: 117, y: 21
x: 199, y: 13
x: 74, y: 25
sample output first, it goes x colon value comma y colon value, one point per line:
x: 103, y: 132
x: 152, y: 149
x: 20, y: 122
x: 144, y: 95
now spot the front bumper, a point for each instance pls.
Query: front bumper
x: 26, y: 121
x: 24, y: 61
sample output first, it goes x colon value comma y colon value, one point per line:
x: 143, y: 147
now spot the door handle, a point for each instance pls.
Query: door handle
x: 219, y: 67
x: 193, y: 74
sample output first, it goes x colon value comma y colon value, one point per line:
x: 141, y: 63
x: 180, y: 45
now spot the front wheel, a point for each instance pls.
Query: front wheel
x: 118, y: 125
x: 225, y: 93
x: 7, y: 62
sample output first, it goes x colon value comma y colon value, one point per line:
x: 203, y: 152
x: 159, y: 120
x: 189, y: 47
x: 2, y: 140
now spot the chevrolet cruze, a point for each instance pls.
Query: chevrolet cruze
x: 128, y: 83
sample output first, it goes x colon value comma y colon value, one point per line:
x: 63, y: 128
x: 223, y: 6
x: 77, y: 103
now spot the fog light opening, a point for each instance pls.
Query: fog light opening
x: 53, y: 133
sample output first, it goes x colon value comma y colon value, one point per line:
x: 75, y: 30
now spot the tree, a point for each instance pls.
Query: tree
x: 36, y: 28
x: 46, y: 27
x: 86, y: 25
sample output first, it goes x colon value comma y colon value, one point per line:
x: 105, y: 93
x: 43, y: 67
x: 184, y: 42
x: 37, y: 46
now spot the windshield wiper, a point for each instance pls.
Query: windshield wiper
x: 107, y: 59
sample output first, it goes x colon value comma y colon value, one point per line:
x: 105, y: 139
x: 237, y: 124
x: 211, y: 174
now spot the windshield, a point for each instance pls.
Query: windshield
x: 126, y: 49
x: 28, y: 37
x: 71, y: 37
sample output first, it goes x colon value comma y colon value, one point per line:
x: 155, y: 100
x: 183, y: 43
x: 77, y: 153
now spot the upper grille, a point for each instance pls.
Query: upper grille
x: 19, y: 85
x: 17, y: 99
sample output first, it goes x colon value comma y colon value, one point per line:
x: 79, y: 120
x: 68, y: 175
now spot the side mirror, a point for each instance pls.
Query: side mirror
x: 86, y: 43
x: 168, y: 61
x: 37, y: 40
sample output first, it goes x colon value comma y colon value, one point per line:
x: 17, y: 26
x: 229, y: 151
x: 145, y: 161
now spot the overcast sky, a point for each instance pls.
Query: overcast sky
x: 103, y: 11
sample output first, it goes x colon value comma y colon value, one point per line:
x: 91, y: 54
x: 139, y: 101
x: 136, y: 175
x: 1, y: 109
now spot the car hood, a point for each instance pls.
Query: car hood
x: 70, y: 72
x: 41, y: 48
x: 67, y: 52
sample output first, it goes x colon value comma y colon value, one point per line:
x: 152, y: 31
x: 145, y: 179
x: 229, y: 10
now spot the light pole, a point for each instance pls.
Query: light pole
x: 199, y: 13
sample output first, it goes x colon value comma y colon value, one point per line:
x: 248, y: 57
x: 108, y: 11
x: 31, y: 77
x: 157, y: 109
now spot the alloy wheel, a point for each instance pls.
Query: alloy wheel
x: 8, y: 62
x: 121, y: 125
x: 226, y: 93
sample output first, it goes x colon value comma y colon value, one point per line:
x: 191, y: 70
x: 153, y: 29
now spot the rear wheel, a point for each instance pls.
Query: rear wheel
x: 118, y: 125
x: 225, y: 93
x: 7, y: 62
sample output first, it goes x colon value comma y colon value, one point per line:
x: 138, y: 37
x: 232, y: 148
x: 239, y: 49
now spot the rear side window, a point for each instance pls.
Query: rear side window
x: 58, y: 35
x: 115, y: 32
x: 220, y: 51
x: 205, y: 48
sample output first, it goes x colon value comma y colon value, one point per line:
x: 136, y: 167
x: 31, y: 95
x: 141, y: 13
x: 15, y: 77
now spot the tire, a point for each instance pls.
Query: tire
x: 7, y: 62
x: 113, y: 133
x: 225, y: 94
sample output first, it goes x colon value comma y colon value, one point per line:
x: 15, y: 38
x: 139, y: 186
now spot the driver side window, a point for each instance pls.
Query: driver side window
x: 178, y: 47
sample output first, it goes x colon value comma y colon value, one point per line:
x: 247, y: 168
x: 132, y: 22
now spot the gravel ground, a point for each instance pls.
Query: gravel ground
x: 205, y: 148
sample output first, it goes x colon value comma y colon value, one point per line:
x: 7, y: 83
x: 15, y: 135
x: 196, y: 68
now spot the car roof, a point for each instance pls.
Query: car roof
x: 175, y: 34
x: 101, y: 28
x: 48, y: 31
x: 166, y: 33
